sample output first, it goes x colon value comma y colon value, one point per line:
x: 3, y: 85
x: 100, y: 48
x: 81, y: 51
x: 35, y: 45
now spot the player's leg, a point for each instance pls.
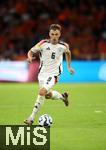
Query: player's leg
x: 38, y: 103
x: 55, y: 95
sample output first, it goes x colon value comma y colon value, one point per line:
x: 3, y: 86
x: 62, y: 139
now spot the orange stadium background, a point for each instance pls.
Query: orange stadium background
x: 25, y: 22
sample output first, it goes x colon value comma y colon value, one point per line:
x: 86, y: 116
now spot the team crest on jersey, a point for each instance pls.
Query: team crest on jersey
x: 60, y: 49
x: 48, y: 48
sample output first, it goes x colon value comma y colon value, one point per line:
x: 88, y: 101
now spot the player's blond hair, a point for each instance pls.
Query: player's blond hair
x: 55, y: 27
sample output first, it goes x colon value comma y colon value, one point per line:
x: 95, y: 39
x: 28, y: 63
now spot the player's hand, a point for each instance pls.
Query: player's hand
x: 71, y: 70
x: 30, y: 59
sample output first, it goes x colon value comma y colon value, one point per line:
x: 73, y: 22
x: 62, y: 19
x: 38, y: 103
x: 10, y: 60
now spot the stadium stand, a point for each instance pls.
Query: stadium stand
x: 25, y: 22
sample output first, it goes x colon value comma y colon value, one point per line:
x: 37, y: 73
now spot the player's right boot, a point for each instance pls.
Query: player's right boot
x: 65, y: 99
x: 28, y: 121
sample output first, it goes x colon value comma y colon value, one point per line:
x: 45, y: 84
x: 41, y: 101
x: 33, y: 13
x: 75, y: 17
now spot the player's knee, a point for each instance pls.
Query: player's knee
x: 48, y: 96
x: 42, y: 92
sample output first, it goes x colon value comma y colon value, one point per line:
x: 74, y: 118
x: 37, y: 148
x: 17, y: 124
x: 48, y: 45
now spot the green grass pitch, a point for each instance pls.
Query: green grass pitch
x: 81, y: 126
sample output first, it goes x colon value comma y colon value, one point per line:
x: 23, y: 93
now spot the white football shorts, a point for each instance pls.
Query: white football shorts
x: 47, y: 82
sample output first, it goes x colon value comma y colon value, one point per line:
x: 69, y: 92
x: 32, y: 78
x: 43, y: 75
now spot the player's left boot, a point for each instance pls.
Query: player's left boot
x: 65, y: 99
x: 28, y: 121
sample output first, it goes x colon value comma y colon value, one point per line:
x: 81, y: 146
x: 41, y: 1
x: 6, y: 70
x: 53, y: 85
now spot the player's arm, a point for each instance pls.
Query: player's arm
x: 68, y: 60
x: 31, y: 56
x: 32, y: 52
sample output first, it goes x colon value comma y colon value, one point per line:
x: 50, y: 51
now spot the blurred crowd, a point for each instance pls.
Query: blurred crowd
x: 25, y: 22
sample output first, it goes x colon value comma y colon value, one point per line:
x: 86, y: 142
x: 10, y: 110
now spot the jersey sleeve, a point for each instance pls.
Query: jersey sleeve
x: 66, y: 49
x: 37, y: 47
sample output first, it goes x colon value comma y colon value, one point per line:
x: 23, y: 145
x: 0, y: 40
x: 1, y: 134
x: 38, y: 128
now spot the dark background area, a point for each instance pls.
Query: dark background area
x: 24, y: 22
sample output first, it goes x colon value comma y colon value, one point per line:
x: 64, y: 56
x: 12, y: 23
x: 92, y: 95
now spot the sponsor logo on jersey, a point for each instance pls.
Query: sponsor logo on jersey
x: 48, y: 48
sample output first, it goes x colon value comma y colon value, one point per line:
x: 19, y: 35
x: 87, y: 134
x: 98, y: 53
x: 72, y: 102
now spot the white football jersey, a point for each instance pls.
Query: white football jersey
x: 51, y: 56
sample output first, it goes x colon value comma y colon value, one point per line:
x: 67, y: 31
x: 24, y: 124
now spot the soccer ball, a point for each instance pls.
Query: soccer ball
x: 45, y: 120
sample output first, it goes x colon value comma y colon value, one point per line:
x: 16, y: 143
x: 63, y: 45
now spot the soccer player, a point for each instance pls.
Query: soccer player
x: 51, y: 54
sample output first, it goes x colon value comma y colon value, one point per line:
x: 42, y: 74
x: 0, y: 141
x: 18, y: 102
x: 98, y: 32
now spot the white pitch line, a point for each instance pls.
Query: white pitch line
x: 98, y: 111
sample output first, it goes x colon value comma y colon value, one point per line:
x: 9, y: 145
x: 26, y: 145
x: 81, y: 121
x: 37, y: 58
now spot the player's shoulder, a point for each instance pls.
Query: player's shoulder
x: 64, y: 44
x: 43, y: 41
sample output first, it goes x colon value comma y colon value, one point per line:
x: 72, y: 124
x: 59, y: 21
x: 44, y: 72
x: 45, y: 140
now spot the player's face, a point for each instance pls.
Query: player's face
x: 54, y: 36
